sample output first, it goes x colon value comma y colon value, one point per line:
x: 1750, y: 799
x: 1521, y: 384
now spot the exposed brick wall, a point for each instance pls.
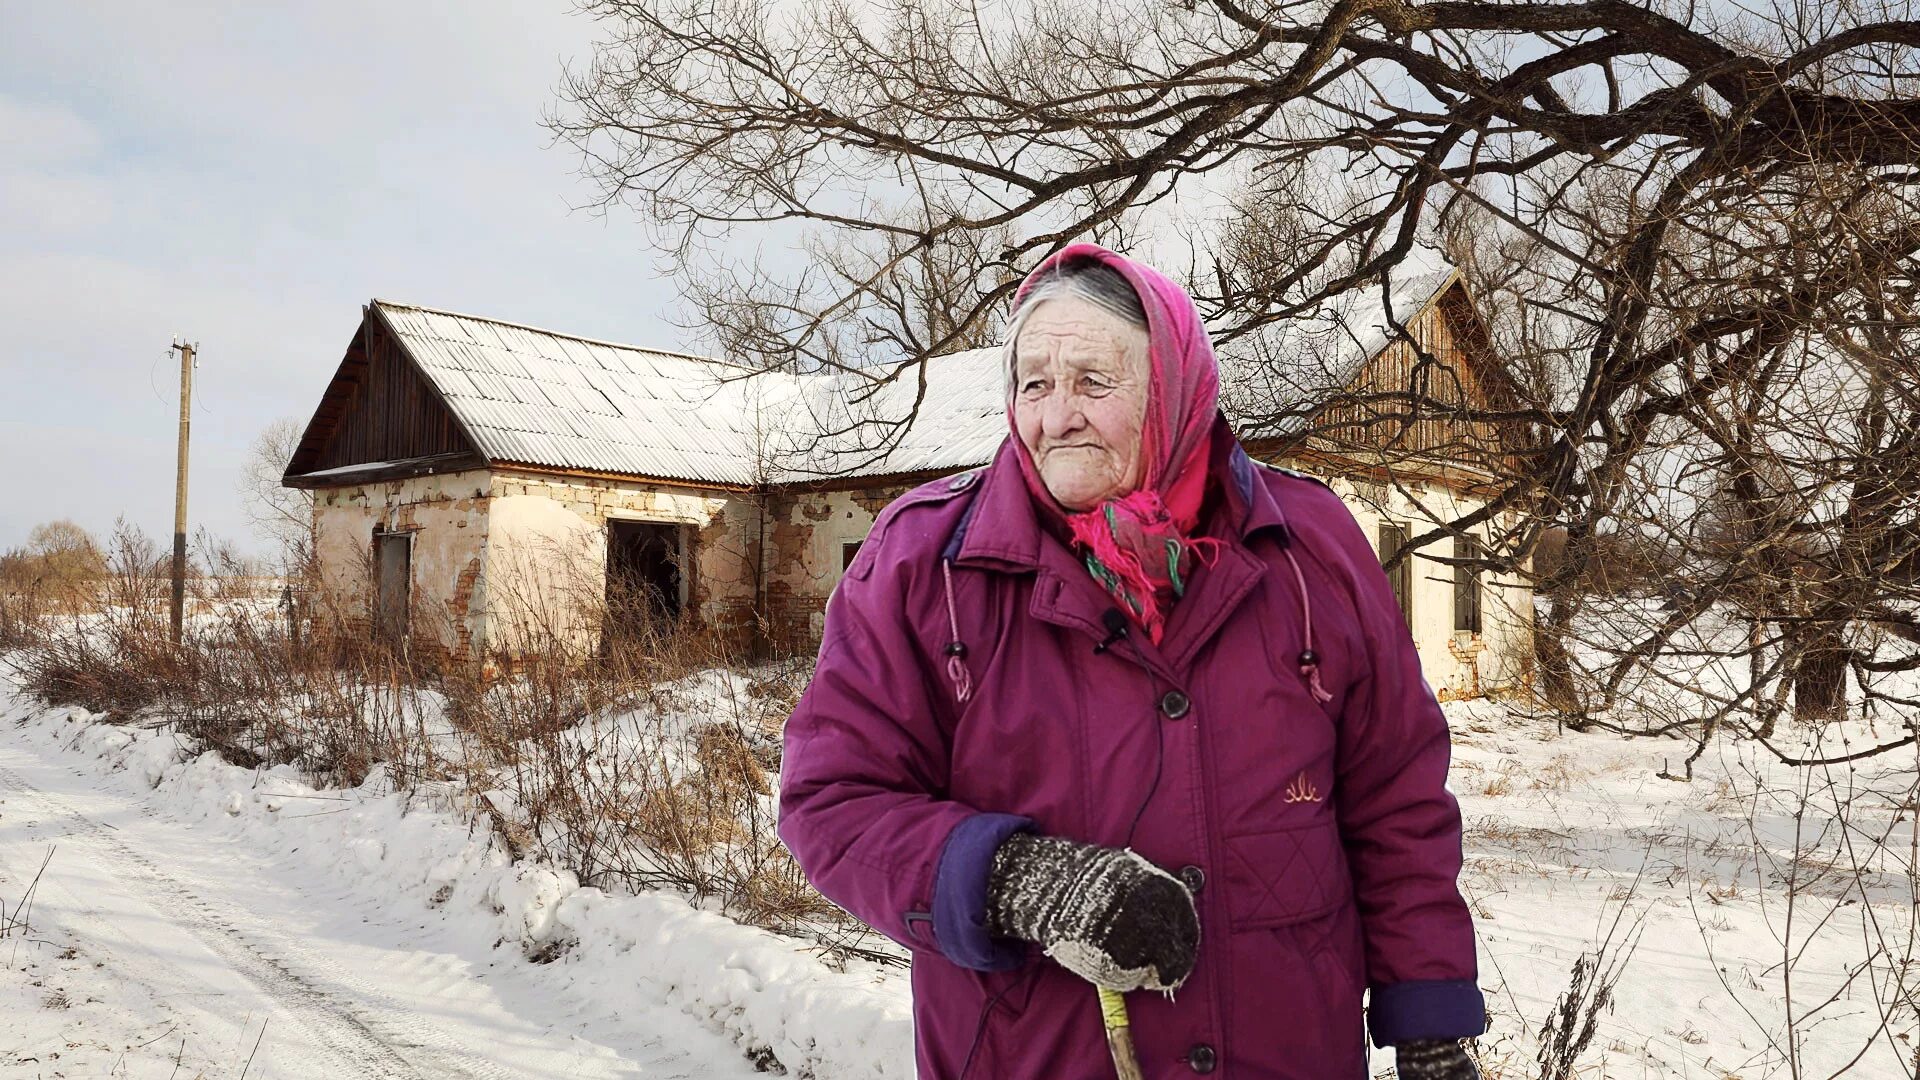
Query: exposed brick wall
x: 460, y: 606
x: 763, y: 578
x: 446, y: 515
x: 482, y: 539
x: 727, y: 607
x: 538, y: 513
x: 807, y: 532
x: 478, y: 536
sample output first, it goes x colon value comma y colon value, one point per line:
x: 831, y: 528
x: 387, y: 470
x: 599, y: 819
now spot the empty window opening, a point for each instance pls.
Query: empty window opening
x: 1466, y: 584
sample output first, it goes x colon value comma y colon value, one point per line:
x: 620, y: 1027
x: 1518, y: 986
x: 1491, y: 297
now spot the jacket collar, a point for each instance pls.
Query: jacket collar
x: 1001, y: 530
x: 1251, y: 503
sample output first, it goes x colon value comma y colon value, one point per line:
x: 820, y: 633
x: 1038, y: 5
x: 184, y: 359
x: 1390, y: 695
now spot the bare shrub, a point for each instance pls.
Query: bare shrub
x: 58, y: 571
x: 1570, y: 1027
x: 1830, y: 856
x: 110, y: 656
x: 637, y: 750
x: 637, y: 753
x: 23, y: 614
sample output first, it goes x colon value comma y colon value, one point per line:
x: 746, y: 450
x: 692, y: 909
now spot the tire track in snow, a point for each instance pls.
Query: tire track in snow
x: 359, y: 1044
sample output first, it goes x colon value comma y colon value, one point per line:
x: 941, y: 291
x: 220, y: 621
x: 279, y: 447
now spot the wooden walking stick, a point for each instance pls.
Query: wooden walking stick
x: 1113, y: 1015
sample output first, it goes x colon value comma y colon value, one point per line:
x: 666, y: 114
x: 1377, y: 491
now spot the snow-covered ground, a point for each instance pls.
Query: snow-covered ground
x: 198, y: 919
x: 236, y: 921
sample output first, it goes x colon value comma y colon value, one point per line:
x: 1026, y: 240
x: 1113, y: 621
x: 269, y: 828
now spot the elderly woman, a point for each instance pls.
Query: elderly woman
x: 1126, y: 708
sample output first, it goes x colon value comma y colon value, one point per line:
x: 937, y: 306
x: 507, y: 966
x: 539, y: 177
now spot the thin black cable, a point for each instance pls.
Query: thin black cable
x: 1159, y: 764
x: 980, y: 1029
x: 151, y: 385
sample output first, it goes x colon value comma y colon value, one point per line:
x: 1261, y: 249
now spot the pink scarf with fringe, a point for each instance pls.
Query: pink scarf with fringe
x: 1140, y: 547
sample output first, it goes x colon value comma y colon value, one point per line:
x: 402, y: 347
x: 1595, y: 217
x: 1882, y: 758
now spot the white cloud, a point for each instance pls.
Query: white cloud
x: 36, y: 133
x: 250, y: 175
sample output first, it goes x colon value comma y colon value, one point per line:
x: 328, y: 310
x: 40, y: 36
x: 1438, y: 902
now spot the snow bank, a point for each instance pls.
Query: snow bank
x: 645, y: 952
x: 1564, y: 833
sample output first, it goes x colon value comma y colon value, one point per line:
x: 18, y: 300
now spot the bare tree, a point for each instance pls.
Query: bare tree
x: 1691, y: 229
x: 67, y: 547
x: 277, y: 513
x: 61, y: 563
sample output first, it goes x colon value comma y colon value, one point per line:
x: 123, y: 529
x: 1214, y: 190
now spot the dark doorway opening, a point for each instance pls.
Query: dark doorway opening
x: 393, y: 553
x: 645, y: 589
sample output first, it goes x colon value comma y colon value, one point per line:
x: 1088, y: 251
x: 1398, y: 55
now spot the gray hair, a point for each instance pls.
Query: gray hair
x: 1080, y: 279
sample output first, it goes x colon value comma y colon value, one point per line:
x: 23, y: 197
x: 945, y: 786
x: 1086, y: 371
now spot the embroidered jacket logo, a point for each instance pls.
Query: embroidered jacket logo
x: 1302, y: 789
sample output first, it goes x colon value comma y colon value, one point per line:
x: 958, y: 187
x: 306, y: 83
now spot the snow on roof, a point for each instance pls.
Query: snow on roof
x: 957, y: 423
x: 1279, y: 376
x: 537, y: 397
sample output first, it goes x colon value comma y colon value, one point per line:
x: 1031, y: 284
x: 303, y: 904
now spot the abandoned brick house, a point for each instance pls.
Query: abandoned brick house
x: 471, y: 475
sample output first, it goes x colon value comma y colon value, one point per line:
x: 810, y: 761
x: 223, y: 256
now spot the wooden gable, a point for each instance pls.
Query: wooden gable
x: 380, y: 412
x: 1449, y: 368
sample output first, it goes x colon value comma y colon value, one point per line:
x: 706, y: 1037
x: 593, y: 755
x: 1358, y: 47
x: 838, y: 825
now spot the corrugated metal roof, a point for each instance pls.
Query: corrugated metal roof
x: 536, y: 397
x: 958, y: 422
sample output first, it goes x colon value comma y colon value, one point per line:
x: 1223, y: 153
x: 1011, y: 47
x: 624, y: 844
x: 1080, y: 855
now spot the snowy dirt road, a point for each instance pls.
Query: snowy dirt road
x: 160, y: 950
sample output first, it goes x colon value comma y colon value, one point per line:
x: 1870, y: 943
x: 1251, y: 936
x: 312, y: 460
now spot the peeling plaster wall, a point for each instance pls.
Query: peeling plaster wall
x: 496, y: 553
x: 447, y: 517
x: 546, y: 571
x: 807, y: 532
x: 549, y: 540
x: 493, y: 550
x: 1457, y: 664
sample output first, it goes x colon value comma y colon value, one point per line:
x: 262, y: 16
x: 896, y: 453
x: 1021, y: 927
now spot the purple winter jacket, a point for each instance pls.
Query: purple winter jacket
x: 1322, y: 839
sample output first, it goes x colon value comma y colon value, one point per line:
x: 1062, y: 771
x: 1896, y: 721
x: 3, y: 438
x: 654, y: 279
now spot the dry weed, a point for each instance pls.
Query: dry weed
x: 642, y: 759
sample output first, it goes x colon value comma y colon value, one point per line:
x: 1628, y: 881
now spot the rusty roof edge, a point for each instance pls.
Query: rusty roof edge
x: 620, y: 477
x: 795, y: 391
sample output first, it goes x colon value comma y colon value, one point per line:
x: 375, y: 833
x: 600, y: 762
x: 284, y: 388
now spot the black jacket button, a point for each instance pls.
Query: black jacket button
x: 1175, y: 705
x: 1201, y: 1059
x: 1193, y: 878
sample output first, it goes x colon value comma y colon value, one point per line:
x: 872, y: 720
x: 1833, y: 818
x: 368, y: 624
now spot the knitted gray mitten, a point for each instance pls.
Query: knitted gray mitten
x: 1432, y: 1059
x: 1106, y: 914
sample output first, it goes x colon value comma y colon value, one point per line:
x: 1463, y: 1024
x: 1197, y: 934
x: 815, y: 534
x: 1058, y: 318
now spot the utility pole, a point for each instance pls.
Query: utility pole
x: 180, y: 489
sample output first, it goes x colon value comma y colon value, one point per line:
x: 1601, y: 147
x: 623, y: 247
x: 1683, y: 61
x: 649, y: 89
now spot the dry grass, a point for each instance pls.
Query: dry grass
x: 1559, y: 775
x: 649, y: 763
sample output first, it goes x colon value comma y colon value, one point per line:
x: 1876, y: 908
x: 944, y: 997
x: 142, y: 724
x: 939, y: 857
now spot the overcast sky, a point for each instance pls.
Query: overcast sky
x: 248, y: 175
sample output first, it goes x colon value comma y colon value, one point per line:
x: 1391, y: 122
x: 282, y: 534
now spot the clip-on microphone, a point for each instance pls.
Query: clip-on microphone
x: 1116, y: 624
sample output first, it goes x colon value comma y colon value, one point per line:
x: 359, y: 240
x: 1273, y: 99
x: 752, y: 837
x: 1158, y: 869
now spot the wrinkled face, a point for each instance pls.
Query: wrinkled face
x: 1080, y: 381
